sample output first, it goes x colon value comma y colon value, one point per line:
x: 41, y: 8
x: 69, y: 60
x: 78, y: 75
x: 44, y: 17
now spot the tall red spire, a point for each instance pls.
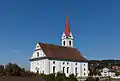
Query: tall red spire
x: 67, y: 26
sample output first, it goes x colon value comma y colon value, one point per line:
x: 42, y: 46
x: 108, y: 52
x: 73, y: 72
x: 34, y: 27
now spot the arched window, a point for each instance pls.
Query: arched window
x: 64, y: 43
x: 37, y: 69
x: 76, y: 70
x: 63, y: 69
x: 69, y: 42
x: 67, y: 63
x: 84, y: 73
x: 53, y: 69
x: 67, y: 69
x: 53, y: 62
x: 37, y: 54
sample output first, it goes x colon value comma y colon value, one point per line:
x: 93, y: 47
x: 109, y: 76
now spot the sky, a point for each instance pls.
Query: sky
x: 95, y: 24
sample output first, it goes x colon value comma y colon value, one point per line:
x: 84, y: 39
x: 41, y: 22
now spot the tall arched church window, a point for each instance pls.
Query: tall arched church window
x: 67, y: 69
x: 63, y: 69
x: 64, y: 43
x: 53, y: 69
x: 76, y: 70
x: 69, y: 42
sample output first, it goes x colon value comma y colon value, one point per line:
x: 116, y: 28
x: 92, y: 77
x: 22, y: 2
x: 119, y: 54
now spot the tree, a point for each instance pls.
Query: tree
x: 94, y: 71
x: 72, y: 77
x: 60, y: 77
x: 1, y: 70
x: 117, y: 73
x: 15, y: 70
x: 97, y: 79
x: 90, y: 79
x: 12, y: 70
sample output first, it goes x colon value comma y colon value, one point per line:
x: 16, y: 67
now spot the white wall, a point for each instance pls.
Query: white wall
x: 106, y: 72
x: 47, y: 66
x: 41, y: 54
x: 67, y: 40
x: 41, y: 65
x: 72, y: 66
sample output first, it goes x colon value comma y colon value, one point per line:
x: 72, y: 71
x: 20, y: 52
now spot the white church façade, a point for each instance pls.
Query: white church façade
x: 50, y: 58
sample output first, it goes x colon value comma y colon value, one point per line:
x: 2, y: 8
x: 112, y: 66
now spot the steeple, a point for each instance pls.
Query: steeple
x: 67, y: 38
x: 67, y: 26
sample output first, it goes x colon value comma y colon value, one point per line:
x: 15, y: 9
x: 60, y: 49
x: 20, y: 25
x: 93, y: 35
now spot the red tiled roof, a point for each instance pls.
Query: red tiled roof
x: 56, y: 51
x: 115, y: 67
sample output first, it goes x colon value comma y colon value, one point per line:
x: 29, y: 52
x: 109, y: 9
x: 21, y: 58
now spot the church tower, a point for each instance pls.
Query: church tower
x: 67, y: 38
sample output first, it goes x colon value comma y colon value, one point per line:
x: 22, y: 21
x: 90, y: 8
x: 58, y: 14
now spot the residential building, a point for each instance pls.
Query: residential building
x: 106, y: 72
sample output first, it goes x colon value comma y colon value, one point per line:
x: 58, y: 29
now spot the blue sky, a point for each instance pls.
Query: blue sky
x: 94, y: 23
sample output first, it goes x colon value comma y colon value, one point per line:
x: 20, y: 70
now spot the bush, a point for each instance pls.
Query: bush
x: 72, y: 77
x: 14, y: 70
x: 90, y: 79
x: 58, y: 77
x: 117, y: 73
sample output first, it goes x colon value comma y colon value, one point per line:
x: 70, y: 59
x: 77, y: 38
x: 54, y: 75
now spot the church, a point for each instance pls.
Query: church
x: 51, y: 58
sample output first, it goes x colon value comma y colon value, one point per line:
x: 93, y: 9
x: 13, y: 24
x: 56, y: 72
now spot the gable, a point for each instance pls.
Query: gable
x: 37, y: 46
x: 38, y: 52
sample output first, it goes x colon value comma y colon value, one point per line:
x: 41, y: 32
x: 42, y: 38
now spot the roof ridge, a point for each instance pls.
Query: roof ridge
x: 57, y: 45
